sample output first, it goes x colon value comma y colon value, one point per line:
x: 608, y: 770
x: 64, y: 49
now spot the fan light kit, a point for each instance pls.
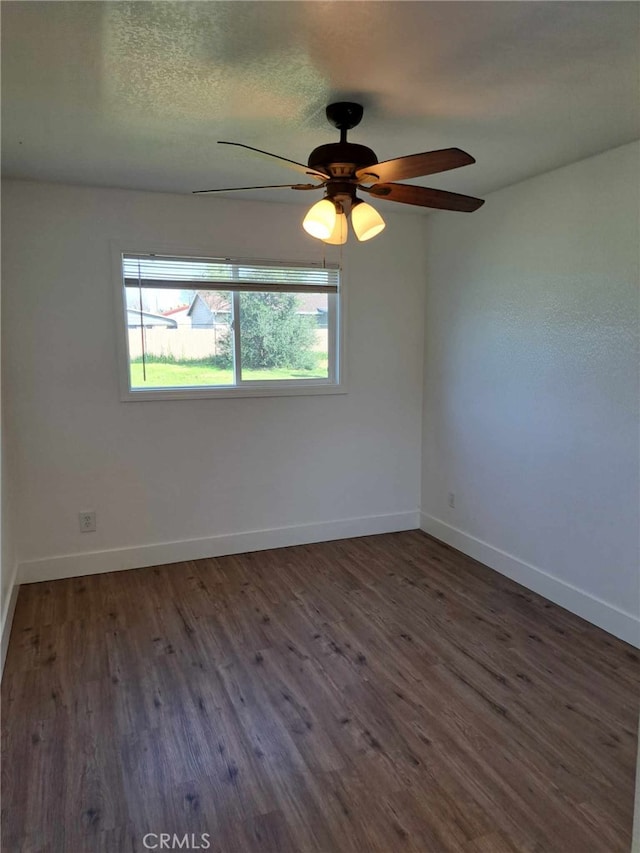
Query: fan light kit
x: 341, y: 168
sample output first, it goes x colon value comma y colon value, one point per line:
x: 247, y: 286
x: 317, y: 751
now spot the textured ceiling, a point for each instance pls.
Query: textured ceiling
x: 136, y: 94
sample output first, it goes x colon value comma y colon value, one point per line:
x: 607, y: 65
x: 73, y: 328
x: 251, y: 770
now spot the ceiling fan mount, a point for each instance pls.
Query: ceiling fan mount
x: 341, y: 168
x: 344, y: 115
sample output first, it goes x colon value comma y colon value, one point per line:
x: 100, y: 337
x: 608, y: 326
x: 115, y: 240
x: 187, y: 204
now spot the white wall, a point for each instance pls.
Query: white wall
x: 531, y: 386
x: 164, y: 472
x: 8, y: 565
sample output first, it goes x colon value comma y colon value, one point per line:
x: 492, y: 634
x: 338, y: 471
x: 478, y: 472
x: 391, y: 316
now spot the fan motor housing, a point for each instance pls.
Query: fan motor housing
x: 341, y: 159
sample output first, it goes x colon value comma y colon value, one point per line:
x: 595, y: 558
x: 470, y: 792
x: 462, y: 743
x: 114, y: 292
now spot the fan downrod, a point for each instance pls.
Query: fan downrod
x: 344, y: 115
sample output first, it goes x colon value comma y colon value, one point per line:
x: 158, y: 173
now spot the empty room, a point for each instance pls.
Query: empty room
x: 320, y: 427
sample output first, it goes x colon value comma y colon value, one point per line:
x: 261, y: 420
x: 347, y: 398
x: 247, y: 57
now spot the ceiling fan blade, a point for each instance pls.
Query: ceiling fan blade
x: 266, y: 187
x: 291, y: 164
x: 416, y: 165
x: 425, y: 197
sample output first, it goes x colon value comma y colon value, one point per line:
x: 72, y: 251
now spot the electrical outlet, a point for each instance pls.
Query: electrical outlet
x: 451, y: 500
x: 87, y: 521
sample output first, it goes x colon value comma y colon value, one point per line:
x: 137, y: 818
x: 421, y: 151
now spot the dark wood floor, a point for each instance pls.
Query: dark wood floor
x: 376, y: 694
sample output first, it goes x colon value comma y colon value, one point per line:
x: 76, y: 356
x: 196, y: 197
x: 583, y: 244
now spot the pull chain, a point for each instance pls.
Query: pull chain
x: 142, y: 337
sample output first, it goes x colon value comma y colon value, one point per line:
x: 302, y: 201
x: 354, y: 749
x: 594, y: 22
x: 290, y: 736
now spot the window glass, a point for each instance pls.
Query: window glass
x: 280, y: 336
x: 179, y: 338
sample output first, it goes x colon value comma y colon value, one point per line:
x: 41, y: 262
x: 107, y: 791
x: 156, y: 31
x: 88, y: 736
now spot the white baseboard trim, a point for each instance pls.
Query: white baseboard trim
x: 7, y: 618
x: 618, y: 622
x: 117, y: 559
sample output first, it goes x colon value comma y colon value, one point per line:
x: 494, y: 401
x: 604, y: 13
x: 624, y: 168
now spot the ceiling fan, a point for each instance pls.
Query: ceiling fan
x: 341, y: 168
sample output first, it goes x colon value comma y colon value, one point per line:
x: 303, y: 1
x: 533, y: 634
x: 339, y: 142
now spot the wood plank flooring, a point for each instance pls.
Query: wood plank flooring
x: 370, y: 695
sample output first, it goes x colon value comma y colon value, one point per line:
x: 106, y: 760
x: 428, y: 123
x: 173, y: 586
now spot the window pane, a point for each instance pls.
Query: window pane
x: 179, y: 338
x: 283, y: 336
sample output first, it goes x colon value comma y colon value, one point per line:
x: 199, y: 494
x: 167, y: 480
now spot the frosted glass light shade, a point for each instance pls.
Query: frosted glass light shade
x: 339, y: 234
x: 366, y: 221
x: 321, y: 219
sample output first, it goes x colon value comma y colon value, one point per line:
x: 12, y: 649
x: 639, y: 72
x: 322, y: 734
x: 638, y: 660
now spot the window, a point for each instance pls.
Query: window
x: 199, y: 326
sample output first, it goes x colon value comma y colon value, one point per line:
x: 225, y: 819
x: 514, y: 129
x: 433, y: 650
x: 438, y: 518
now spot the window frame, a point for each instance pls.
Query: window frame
x: 334, y: 384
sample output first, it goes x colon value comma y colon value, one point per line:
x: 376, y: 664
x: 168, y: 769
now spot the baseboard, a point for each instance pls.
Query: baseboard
x: 7, y: 618
x: 635, y: 841
x: 618, y: 622
x: 113, y: 560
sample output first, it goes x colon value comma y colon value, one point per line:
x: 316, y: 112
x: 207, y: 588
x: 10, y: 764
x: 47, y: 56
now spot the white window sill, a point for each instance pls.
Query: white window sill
x: 257, y: 389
